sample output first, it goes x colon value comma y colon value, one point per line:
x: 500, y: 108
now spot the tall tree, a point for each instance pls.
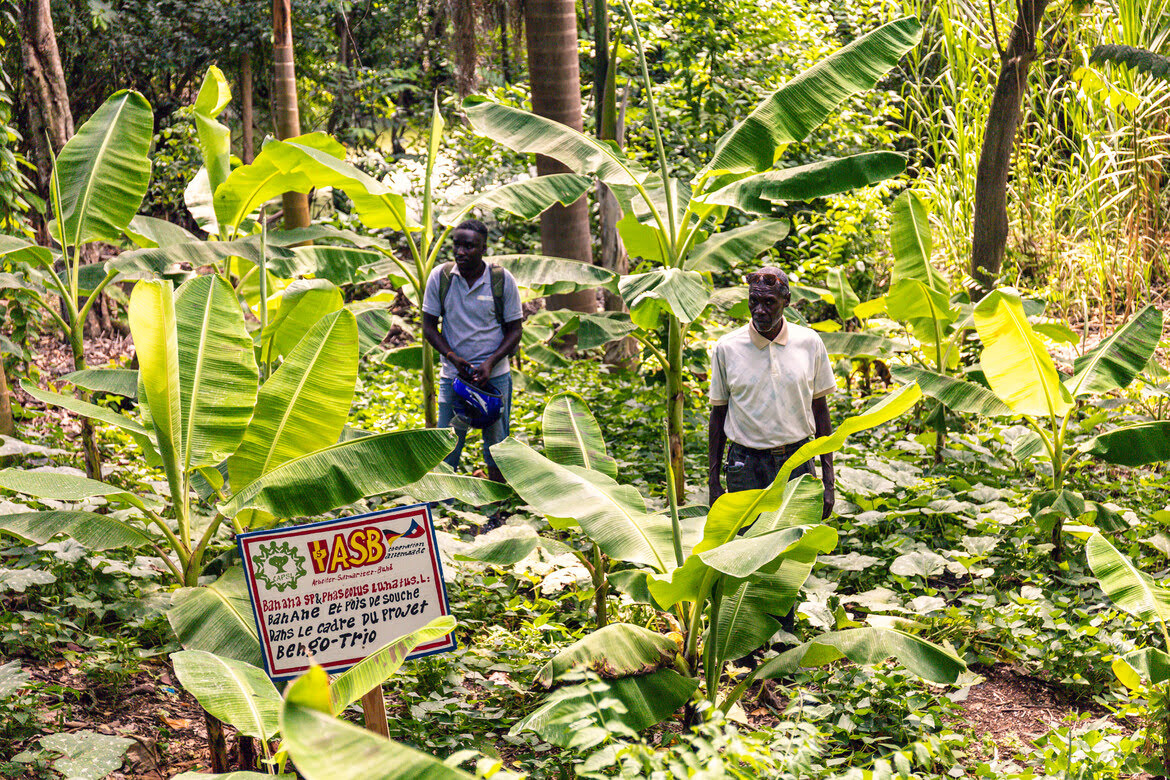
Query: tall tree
x: 555, y: 76
x: 990, y: 231
x: 288, y: 117
x: 50, y: 119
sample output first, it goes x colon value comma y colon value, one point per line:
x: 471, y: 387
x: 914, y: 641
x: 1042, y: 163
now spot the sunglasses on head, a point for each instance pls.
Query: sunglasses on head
x: 765, y: 279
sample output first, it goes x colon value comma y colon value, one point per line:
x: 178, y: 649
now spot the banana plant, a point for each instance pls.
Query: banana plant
x: 253, y: 453
x: 1147, y: 668
x: 98, y: 182
x: 243, y: 696
x: 1024, y: 378
x: 673, y: 225
x: 720, y: 588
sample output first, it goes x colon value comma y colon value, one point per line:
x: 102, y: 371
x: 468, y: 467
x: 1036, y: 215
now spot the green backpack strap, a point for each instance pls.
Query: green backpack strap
x: 444, y: 284
x: 498, y: 291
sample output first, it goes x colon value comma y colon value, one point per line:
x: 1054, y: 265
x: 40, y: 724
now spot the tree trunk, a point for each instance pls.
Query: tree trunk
x: 554, y: 72
x: 463, y: 45
x: 288, y: 118
x: 7, y: 423
x: 990, y: 231
x: 49, y: 114
x: 248, y: 149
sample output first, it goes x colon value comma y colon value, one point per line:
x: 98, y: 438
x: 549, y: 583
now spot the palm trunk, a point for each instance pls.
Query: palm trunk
x: 555, y: 75
x: 990, y: 231
x: 247, y: 152
x: 288, y: 118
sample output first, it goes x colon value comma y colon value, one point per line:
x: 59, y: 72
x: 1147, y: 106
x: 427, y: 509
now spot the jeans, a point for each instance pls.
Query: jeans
x: 493, y: 434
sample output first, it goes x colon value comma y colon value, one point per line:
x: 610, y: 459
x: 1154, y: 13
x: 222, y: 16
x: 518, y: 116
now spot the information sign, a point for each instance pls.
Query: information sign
x: 340, y: 589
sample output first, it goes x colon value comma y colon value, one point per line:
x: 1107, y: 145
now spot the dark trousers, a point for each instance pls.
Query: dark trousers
x: 751, y: 469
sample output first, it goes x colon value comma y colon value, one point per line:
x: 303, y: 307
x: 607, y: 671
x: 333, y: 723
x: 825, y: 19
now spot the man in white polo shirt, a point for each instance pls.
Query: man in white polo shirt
x: 769, y: 384
x: 478, y: 307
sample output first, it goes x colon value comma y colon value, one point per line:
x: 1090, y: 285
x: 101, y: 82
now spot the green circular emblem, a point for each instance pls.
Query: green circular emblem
x: 279, y: 566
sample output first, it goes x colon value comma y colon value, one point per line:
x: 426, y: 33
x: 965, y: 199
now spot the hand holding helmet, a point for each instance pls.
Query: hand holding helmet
x: 479, y: 407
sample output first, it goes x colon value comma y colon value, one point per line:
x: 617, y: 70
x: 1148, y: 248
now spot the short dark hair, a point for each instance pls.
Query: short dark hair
x: 474, y: 225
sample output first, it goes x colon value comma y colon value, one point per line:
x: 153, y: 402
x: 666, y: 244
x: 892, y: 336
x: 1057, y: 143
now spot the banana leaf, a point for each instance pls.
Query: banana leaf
x: 92, y: 531
x: 551, y: 275
x: 103, y: 171
x: 615, y: 650
x: 1014, y: 359
x: 302, y: 304
x: 66, y: 487
x: 1134, y: 445
x: 118, y: 381
x: 869, y: 645
x: 792, y: 112
x: 728, y: 249
x: 683, y: 293
x: 954, y: 394
x: 1119, y: 358
x: 854, y: 345
x: 761, y: 193
x: 239, y: 694
x: 526, y: 199
x: 153, y: 326
x: 572, y: 436
x: 844, y: 298
x: 214, y: 137
x: 1127, y: 586
x: 217, y: 618
x: 911, y: 243
x: 380, y: 666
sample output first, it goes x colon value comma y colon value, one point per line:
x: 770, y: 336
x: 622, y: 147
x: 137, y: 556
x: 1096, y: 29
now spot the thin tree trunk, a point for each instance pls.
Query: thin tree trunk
x: 49, y: 115
x: 555, y: 75
x: 7, y: 423
x: 990, y: 231
x: 463, y: 45
x: 288, y: 118
x: 248, y: 151
x: 507, y: 70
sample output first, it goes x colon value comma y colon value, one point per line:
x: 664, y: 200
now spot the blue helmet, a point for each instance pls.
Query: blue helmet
x: 478, y: 407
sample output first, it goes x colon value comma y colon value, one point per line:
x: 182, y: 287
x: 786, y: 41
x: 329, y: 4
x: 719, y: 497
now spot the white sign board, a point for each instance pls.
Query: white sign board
x: 340, y: 589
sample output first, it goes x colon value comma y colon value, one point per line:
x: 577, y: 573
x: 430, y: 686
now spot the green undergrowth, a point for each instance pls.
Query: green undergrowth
x: 949, y: 546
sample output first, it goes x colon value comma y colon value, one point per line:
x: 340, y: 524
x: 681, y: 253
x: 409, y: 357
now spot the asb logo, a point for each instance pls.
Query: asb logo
x: 279, y: 566
x: 360, y: 547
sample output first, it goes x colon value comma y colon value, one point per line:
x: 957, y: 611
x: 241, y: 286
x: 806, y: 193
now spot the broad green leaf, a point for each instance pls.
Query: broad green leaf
x: 761, y: 193
x: 1147, y: 666
x: 119, y: 381
x: 526, y: 199
x: 612, y: 515
x: 642, y: 240
x: 843, y: 296
x: 410, y: 356
x: 441, y: 485
x: 528, y: 133
x: 854, y: 345
x: 302, y: 304
x: 921, y: 563
x: 217, y: 618
x: 339, y: 264
x: 18, y: 250
x: 12, y: 678
x: 727, y: 250
x: 792, y: 112
x: 239, y: 694
x: 869, y: 645
x: 164, y: 261
x: 1134, y: 445
x: 86, y: 409
x: 153, y: 325
x: 304, y: 404
x: 910, y: 241
x: 551, y: 275
x: 646, y: 700
x: 1120, y: 357
x: 1015, y: 361
x: 103, y: 171
x: 148, y: 232
x: 217, y: 371
x: 87, y: 755
x: 92, y: 531
x: 1133, y: 57
x: 745, y: 556
x: 510, y: 550
x: 380, y: 666
x: 1057, y: 331
x: 64, y: 487
x: 572, y: 436
x: 325, y: 748
x: 214, y: 138
x: 746, y: 615
x: 20, y: 580
x: 615, y: 650
x: 1125, y: 584
x: 911, y: 300
x: 344, y: 473
x: 596, y: 330
x: 682, y: 293
x: 954, y: 394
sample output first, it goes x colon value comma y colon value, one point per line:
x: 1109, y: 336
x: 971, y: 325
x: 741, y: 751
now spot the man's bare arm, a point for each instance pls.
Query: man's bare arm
x: 716, y: 442
x: 824, y: 427
x: 430, y: 327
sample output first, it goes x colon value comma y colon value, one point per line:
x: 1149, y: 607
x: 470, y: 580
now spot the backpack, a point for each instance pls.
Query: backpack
x: 497, y: 284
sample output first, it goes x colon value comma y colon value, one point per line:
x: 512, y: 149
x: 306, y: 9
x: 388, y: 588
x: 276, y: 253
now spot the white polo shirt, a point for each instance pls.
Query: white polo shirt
x: 769, y: 386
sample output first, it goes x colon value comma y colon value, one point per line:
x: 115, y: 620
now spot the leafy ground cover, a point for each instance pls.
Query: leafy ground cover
x: 951, y: 546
